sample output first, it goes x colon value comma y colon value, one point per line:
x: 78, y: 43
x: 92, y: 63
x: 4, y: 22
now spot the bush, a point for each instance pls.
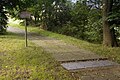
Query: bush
x: 3, y: 29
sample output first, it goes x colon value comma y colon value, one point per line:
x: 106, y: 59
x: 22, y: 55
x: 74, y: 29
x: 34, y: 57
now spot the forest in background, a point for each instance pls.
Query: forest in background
x: 96, y: 21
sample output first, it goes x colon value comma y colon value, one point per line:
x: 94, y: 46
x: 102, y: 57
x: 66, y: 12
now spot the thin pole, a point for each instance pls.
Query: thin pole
x: 26, y: 44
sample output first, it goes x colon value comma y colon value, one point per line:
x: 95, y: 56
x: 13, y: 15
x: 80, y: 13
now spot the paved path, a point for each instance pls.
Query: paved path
x: 65, y: 53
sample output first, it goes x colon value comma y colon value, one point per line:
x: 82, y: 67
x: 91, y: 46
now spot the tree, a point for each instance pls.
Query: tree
x: 82, y: 19
x: 3, y: 18
x: 5, y: 4
x: 109, y: 37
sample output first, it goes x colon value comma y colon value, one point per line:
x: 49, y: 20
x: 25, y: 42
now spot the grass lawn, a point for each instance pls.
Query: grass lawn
x: 111, y: 53
x: 32, y: 63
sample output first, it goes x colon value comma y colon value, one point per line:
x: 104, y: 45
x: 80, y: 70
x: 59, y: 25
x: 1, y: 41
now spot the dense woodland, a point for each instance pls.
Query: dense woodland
x: 96, y: 21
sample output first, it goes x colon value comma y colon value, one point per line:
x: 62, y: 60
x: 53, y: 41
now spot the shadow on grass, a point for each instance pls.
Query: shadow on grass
x: 11, y: 35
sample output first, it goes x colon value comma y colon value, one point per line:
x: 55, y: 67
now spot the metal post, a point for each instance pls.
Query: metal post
x: 26, y: 44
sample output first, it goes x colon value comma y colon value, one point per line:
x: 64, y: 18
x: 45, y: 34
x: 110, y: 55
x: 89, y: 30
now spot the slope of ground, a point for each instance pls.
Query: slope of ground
x: 111, y: 53
x: 98, y: 74
x: 32, y: 63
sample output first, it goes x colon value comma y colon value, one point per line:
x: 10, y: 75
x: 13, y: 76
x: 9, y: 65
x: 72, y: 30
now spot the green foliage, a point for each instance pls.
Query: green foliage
x: 85, y: 23
x: 3, y: 18
x: 65, y: 17
x: 50, y: 13
x: 94, y: 26
x: 82, y: 19
x: 4, y: 5
x: 114, y: 16
x: 94, y: 32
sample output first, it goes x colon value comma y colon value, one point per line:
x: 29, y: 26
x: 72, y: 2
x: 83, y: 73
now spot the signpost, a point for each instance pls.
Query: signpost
x: 25, y: 15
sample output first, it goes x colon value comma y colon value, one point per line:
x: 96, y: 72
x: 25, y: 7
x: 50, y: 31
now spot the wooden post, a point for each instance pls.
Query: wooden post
x: 26, y: 44
x: 25, y: 15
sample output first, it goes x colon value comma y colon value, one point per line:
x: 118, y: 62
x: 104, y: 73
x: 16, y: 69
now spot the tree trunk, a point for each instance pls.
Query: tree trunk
x: 107, y: 36
x: 114, y: 41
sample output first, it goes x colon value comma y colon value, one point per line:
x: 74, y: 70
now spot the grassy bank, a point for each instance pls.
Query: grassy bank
x: 111, y: 53
x: 32, y: 63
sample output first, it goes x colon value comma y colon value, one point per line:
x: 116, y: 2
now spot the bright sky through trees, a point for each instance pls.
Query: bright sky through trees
x: 74, y: 1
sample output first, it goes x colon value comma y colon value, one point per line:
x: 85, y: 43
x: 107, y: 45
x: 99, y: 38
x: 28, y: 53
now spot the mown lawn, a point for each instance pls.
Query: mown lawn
x: 111, y: 53
x: 32, y: 63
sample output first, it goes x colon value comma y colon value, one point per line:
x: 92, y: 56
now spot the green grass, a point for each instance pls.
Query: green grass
x: 111, y: 53
x: 32, y: 63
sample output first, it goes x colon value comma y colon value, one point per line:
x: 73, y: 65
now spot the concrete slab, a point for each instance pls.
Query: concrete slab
x: 88, y: 64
